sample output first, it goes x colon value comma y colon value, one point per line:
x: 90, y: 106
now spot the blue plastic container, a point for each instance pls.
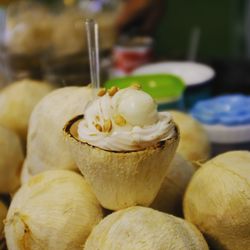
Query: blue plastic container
x: 226, y: 120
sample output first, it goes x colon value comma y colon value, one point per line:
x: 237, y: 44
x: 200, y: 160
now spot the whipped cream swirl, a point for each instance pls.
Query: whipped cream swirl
x: 125, y: 121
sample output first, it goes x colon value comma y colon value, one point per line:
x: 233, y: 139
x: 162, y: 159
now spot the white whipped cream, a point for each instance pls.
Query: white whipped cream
x: 143, y: 127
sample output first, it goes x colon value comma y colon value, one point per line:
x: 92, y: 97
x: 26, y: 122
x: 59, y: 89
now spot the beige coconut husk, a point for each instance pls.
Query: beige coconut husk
x: 218, y: 201
x: 46, y: 146
x: 17, y: 101
x: 140, y: 228
x: 11, y: 160
x: 121, y: 179
x: 53, y: 210
x: 25, y: 174
x: 194, y: 143
x: 169, y: 198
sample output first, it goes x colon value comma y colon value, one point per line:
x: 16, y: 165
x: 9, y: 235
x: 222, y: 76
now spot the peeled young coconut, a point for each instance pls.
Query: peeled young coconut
x: 46, y: 146
x: 53, y: 210
x: 169, y: 198
x: 218, y: 201
x: 25, y: 174
x: 140, y: 228
x: 11, y: 160
x: 194, y: 143
x: 17, y: 101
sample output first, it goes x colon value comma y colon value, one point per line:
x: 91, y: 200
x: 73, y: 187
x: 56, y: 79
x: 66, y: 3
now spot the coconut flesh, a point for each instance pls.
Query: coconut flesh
x: 46, y: 146
x: 138, y: 228
x: 194, y: 143
x: 11, y: 159
x: 17, y: 101
x: 53, y: 210
x: 218, y: 200
x: 169, y: 198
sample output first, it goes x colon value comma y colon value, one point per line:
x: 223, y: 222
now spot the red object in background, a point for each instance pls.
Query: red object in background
x: 127, y: 58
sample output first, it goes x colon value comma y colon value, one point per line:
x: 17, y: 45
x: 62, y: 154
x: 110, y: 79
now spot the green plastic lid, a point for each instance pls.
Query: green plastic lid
x: 161, y: 86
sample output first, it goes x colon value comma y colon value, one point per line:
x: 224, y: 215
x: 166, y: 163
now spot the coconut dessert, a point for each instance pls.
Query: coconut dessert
x: 123, y: 146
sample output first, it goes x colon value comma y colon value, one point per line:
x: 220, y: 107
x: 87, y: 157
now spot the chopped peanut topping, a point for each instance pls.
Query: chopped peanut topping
x: 102, y: 92
x: 136, y: 86
x: 119, y: 120
x: 98, y: 127
x: 107, y: 126
x: 113, y: 91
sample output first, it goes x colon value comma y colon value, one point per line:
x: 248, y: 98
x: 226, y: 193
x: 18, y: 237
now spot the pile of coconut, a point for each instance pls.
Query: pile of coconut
x: 201, y: 203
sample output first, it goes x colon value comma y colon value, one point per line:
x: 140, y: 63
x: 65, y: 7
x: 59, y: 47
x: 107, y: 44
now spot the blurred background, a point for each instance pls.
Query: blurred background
x: 46, y: 39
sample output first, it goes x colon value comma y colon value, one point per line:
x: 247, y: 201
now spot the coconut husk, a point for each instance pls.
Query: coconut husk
x: 25, y: 174
x: 53, y: 210
x: 169, y: 198
x: 194, y: 143
x: 11, y: 160
x: 17, y: 101
x: 46, y: 146
x: 218, y: 201
x: 121, y: 179
x: 138, y: 228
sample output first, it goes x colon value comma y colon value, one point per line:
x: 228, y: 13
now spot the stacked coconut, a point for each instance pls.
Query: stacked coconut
x: 17, y: 101
x: 56, y: 208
